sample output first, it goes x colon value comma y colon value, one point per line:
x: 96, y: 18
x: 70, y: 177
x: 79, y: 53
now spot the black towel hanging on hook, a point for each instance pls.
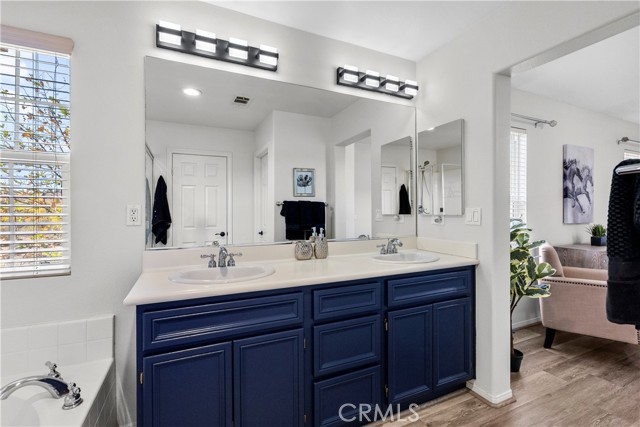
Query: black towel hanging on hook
x: 161, y: 215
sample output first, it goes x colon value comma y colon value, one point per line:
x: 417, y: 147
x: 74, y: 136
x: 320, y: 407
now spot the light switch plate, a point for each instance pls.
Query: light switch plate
x: 473, y: 216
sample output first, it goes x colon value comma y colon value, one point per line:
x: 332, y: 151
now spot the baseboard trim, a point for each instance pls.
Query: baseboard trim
x: 498, y: 401
x: 525, y: 323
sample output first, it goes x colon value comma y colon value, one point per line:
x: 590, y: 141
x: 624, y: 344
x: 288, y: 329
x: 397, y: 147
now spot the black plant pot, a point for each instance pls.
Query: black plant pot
x: 516, y: 360
x: 598, y: 241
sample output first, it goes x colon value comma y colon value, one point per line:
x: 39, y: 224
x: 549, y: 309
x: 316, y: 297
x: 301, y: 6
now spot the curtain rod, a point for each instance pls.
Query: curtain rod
x: 626, y: 139
x: 281, y: 203
x: 536, y: 121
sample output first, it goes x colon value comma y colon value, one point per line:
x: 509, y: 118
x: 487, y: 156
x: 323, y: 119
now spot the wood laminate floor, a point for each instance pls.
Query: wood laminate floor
x: 581, y: 381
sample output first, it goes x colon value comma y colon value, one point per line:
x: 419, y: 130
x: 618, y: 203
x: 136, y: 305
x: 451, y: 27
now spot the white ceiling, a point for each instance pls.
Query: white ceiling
x: 165, y: 80
x: 407, y: 29
x: 602, y: 78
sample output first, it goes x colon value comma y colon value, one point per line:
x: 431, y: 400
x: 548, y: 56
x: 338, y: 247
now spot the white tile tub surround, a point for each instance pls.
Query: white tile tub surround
x: 26, y: 349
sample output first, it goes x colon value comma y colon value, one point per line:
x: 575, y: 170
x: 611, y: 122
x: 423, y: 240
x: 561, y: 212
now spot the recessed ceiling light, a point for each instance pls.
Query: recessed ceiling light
x: 191, y: 91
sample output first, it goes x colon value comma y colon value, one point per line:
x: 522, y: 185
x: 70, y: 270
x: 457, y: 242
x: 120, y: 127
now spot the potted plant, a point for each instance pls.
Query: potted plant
x: 598, y: 234
x: 526, y: 271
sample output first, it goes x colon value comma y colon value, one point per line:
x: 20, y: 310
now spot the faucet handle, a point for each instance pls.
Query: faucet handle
x: 212, y: 259
x: 232, y: 262
x: 52, y: 369
x: 383, y: 249
x: 73, y: 398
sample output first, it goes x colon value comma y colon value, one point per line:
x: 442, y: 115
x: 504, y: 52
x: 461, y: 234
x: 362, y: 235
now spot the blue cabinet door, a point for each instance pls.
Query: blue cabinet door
x: 353, y: 398
x: 409, y: 355
x: 268, y: 380
x: 188, y: 388
x: 453, y: 341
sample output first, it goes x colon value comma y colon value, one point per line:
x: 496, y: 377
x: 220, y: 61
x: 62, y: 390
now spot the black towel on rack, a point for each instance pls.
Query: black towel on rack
x: 623, y: 248
x: 405, y: 205
x: 291, y: 213
x: 300, y: 217
x: 161, y: 215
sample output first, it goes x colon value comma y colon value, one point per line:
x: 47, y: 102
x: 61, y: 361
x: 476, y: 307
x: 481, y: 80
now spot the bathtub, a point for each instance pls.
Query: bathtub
x: 34, y: 406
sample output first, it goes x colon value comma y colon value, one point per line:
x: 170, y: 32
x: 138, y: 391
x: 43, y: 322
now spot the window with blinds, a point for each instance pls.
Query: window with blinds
x: 518, y: 174
x: 34, y: 162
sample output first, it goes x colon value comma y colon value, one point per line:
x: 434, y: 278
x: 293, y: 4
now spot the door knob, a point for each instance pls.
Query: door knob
x: 261, y: 233
x: 221, y: 234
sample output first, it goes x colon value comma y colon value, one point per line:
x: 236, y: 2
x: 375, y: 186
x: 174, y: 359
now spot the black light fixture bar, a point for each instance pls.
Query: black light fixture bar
x: 188, y: 45
x: 381, y: 88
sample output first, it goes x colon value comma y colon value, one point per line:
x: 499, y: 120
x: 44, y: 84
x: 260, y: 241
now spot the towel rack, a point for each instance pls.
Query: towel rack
x: 626, y: 140
x: 281, y: 203
x: 628, y: 169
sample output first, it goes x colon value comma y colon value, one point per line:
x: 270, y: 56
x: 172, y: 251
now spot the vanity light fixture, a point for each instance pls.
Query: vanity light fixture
x: 371, y: 80
x: 207, y: 44
x: 238, y: 48
x: 191, y: 91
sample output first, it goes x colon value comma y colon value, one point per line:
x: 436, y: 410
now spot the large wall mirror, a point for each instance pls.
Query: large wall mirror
x: 252, y: 160
x: 440, y: 176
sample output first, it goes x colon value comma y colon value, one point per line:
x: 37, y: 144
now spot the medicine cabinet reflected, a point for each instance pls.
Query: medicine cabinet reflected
x: 440, y: 171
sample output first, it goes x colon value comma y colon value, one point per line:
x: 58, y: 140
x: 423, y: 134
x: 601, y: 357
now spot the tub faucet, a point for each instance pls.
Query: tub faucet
x: 55, y: 386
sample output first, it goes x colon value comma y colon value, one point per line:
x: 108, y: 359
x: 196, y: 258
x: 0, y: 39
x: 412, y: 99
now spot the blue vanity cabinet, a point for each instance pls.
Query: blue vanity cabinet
x: 222, y: 362
x: 430, y: 346
x: 311, y: 356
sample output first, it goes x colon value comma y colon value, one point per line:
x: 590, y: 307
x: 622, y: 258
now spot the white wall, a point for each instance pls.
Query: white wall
x: 576, y: 126
x: 300, y: 141
x: 461, y: 80
x: 381, y: 124
x: 161, y: 136
x: 108, y: 133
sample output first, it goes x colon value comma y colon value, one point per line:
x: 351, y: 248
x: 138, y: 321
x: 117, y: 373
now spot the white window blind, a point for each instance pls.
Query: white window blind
x: 518, y: 169
x: 34, y: 162
x: 628, y: 154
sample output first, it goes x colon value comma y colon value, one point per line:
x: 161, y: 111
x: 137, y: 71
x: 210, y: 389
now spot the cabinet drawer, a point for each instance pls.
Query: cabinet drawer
x: 428, y: 288
x: 347, y: 300
x: 337, y: 400
x: 172, y: 327
x: 347, y: 344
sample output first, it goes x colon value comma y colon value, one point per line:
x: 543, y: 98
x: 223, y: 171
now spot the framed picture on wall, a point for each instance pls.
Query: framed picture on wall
x: 304, y: 182
x: 577, y: 184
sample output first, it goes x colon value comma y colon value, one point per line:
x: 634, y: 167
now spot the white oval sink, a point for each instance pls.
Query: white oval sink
x: 212, y: 276
x: 407, y: 257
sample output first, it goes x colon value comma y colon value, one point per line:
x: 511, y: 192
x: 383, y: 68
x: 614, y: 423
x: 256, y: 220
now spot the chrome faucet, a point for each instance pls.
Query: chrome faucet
x: 392, y: 245
x: 52, y: 382
x: 55, y: 386
x: 222, y: 256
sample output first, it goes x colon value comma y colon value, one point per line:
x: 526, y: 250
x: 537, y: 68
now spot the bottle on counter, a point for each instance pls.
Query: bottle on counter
x: 322, y: 246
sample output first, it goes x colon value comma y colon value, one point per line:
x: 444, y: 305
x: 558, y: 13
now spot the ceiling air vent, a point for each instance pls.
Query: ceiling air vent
x: 242, y: 100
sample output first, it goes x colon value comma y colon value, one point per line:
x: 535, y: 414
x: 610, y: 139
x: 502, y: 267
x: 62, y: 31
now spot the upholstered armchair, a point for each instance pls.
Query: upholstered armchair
x: 577, y: 303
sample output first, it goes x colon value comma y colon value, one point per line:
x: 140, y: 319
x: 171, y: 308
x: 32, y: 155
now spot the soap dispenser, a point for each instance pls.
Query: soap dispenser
x: 322, y: 247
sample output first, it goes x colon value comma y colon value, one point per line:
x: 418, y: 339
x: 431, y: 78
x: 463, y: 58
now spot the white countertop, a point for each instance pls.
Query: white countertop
x: 153, y: 285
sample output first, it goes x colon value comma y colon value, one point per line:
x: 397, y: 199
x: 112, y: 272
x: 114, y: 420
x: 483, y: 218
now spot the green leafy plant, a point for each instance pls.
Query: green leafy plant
x: 526, y: 271
x: 597, y: 230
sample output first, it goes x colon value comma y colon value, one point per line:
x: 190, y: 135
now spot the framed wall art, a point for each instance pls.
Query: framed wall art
x: 304, y: 182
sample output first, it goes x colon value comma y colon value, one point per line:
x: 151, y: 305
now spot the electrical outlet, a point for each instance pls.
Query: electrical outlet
x: 133, y: 215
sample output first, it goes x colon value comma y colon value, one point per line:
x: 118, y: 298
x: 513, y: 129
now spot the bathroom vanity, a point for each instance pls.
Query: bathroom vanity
x: 307, y: 355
